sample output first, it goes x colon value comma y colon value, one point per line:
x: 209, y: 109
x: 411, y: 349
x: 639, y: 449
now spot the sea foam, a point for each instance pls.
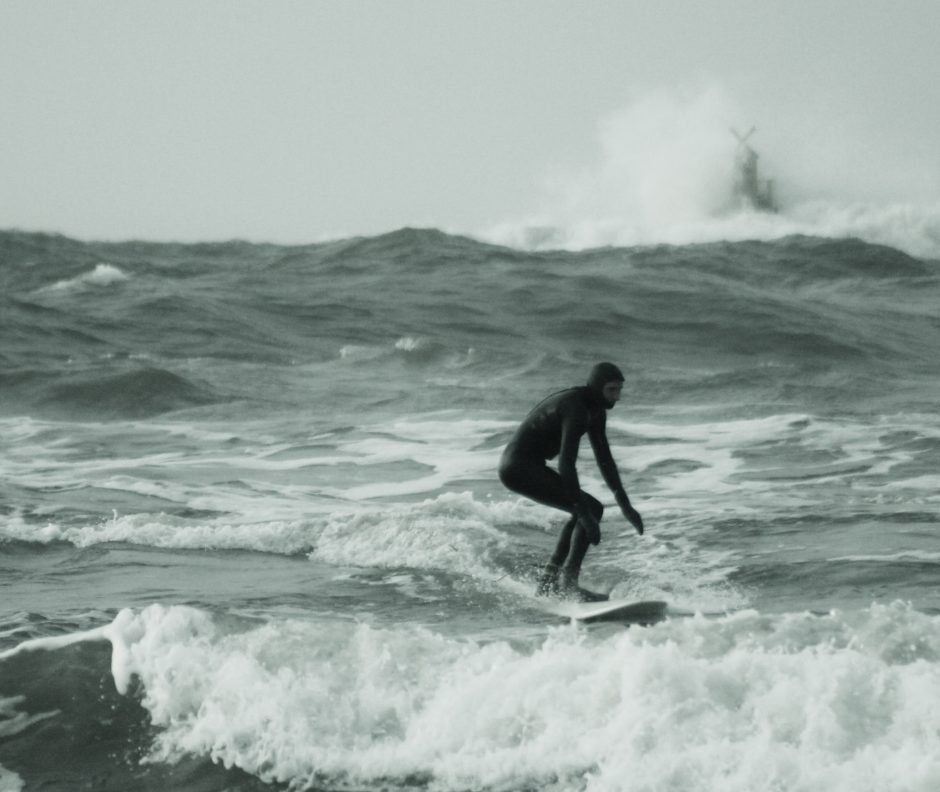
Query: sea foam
x: 102, y: 275
x: 745, y: 702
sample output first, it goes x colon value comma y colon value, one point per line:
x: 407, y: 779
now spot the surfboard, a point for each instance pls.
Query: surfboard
x: 645, y: 612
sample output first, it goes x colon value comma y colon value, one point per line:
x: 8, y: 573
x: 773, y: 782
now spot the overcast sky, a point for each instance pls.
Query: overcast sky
x: 296, y: 121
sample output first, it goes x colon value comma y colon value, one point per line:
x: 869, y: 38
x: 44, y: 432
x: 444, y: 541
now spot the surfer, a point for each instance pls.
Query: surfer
x: 554, y: 427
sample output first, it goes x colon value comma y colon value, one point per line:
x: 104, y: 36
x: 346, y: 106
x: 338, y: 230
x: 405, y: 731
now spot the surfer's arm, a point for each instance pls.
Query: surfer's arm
x: 573, y: 426
x: 571, y: 430
x: 608, y: 468
x: 605, y: 459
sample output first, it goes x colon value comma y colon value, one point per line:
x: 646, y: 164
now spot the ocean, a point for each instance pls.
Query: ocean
x: 252, y: 536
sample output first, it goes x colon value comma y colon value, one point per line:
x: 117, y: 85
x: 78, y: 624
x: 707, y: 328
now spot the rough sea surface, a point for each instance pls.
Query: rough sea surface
x: 252, y: 538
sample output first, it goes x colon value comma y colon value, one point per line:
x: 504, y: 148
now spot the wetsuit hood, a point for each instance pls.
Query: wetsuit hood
x: 600, y: 375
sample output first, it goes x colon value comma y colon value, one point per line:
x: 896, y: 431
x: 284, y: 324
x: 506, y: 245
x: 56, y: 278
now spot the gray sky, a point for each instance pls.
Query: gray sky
x: 295, y: 121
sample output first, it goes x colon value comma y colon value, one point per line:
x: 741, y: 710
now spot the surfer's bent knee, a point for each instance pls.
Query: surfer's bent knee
x: 508, y: 473
x: 593, y: 505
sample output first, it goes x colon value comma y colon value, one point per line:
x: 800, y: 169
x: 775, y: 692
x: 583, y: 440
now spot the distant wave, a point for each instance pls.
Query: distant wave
x: 447, y: 305
x: 102, y: 275
x: 663, y: 171
x: 102, y: 394
x: 147, y: 391
x: 386, y: 537
x: 912, y: 228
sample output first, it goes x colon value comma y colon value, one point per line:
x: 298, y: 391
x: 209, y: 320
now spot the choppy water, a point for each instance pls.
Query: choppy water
x: 251, y: 534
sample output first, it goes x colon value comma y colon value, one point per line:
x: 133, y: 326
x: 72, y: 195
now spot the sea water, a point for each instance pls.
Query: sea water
x: 252, y: 538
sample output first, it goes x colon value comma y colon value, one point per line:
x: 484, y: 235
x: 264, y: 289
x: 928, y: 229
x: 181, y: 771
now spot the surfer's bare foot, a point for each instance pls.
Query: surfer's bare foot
x: 547, y: 585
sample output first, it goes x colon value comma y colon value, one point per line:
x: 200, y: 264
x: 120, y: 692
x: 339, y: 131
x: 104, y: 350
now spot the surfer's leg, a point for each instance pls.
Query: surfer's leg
x: 535, y: 480
x: 577, y: 549
x: 563, y: 547
x: 548, y: 580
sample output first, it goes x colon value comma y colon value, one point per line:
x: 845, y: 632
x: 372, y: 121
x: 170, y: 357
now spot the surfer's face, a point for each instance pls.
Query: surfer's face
x: 611, y: 392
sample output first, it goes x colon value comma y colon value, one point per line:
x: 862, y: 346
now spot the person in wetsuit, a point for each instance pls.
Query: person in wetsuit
x: 553, y: 428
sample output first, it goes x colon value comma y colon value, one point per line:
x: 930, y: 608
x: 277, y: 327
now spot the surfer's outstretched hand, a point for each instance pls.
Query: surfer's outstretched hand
x: 634, y: 517
x: 629, y: 513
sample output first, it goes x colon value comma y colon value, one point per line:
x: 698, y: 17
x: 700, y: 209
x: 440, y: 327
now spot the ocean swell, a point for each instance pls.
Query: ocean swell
x: 426, y: 309
x: 104, y: 394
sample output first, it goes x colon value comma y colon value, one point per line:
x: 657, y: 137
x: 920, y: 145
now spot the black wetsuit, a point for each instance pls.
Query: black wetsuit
x: 555, y: 428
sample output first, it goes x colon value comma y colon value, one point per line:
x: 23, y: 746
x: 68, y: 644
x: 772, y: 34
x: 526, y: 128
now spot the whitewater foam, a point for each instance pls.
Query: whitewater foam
x: 798, y: 702
x: 10, y: 781
x: 664, y: 172
x: 912, y: 228
x: 103, y: 275
x: 169, y: 531
x: 452, y: 531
